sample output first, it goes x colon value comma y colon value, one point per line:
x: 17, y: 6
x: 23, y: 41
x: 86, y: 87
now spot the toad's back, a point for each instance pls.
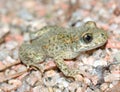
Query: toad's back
x: 58, y: 38
x: 62, y: 43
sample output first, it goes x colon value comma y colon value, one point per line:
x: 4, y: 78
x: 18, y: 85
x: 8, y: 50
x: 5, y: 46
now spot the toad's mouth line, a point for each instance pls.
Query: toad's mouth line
x: 92, y: 47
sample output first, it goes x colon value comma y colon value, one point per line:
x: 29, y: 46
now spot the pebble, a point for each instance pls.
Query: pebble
x: 15, y: 54
x: 33, y: 78
x: 5, y: 30
x: 79, y: 89
x: 10, y: 45
x: 99, y: 62
x: 35, y: 24
x: 89, y: 90
x: 3, y: 54
x: 104, y: 86
x: 50, y: 80
x: 87, y: 81
x: 73, y: 86
x: 57, y: 90
x: 39, y: 88
x: 19, y: 68
x: 15, y: 82
x: 9, y: 59
x: 26, y: 37
x: 62, y: 83
x: 117, y: 11
x: 24, y: 14
x: 99, y: 54
x: 24, y: 87
x: 117, y: 56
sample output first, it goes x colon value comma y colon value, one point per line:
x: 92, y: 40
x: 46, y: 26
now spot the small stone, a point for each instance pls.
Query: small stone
x: 5, y: 30
x: 104, y: 86
x: 11, y: 45
x: 57, y: 90
x: 50, y: 89
x: 3, y: 54
x: 117, y: 56
x: 89, y: 90
x: 117, y: 11
x: 15, y: 54
x: 24, y: 87
x: 11, y: 72
x: 39, y: 88
x: 32, y: 79
x: 62, y: 83
x: 79, y: 89
x: 25, y: 14
x: 51, y: 78
x: 87, y: 81
x: 26, y: 37
x: 21, y: 68
x: 99, y: 62
x: 9, y: 59
x: 73, y: 86
x: 15, y: 82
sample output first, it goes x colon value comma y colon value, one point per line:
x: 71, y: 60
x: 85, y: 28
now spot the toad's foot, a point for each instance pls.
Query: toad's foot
x: 36, y: 67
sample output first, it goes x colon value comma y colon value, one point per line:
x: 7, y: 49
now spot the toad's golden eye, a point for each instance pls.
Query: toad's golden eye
x: 87, y: 38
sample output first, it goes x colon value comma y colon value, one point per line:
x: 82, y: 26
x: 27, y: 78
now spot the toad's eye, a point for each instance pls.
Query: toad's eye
x: 87, y: 38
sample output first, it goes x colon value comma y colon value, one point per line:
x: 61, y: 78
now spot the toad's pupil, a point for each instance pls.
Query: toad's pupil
x: 87, y: 38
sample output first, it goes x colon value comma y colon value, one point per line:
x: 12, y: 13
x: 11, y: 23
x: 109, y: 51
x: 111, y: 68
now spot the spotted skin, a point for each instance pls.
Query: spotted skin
x: 61, y: 43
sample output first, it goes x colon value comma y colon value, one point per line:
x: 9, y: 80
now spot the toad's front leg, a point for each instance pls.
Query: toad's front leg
x: 67, y: 71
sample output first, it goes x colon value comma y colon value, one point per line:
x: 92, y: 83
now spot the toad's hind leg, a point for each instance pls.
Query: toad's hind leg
x: 31, y: 55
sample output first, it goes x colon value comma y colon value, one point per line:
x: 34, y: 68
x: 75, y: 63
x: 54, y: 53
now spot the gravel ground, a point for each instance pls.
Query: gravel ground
x: 19, y: 17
